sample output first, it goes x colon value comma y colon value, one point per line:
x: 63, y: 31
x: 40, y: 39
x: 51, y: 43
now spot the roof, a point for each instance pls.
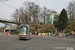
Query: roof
x: 9, y: 28
x: 25, y: 25
x: 7, y: 21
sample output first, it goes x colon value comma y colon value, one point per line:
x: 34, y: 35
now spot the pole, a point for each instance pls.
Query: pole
x: 28, y: 19
x: 63, y: 33
x: 37, y: 26
x: 46, y: 28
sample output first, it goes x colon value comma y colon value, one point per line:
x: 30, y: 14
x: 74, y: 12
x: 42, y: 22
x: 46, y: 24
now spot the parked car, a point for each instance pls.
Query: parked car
x: 14, y: 31
x: 73, y: 34
x: 67, y: 34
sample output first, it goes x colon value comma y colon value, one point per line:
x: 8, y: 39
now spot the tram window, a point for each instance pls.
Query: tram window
x: 23, y: 30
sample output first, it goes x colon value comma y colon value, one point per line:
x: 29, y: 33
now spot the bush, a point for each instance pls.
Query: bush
x: 48, y: 31
x: 41, y: 23
x: 66, y: 32
x: 40, y: 31
x: 45, y: 31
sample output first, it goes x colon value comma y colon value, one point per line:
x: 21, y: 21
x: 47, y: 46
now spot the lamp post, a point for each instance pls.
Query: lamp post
x: 46, y: 24
x: 46, y: 28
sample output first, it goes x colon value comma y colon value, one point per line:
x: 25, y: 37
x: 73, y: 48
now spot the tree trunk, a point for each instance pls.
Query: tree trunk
x: 44, y: 20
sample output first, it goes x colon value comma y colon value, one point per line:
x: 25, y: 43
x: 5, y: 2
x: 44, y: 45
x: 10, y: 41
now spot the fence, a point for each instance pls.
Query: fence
x: 45, y: 33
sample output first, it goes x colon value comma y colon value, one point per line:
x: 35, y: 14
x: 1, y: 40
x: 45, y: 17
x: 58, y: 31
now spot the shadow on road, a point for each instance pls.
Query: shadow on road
x: 23, y: 39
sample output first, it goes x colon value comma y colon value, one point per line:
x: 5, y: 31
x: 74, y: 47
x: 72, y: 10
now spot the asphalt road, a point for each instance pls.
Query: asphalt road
x: 36, y: 43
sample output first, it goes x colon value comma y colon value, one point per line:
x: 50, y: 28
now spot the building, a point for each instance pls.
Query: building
x: 51, y: 18
x: 10, y: 29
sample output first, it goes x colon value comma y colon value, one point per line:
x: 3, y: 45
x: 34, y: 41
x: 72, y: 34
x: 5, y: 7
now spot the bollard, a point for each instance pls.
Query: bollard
x: 48, y: 33
x: 51, y: 33
x: 45, y: 33
x: 41, y: 33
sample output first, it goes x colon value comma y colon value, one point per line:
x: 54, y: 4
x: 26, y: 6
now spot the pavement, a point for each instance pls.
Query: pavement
x: 36, y: 43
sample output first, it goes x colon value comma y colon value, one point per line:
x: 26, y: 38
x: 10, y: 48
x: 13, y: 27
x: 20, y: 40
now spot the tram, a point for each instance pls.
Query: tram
x: 25, y: 32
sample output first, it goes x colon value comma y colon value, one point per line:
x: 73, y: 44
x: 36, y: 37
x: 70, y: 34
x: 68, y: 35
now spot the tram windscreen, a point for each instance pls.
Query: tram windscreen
x: 23, y: 30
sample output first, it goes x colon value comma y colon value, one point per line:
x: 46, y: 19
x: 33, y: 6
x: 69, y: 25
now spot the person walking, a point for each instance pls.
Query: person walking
x: 55, y: 34
x: 35, y: 32
x: 7, y: 33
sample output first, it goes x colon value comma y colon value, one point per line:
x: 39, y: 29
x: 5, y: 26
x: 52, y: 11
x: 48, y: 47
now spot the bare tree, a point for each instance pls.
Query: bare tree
x: 44, y: 12
x: 20, y: 16
x: 53, y: 11
x: 2, y: 29
x: 15, y: 16
x: 71, y: 10
x: 3, y: 0
x: 25, y: 13
x: 36, y: 13
x: 32, y: 10
x: 29, y: 11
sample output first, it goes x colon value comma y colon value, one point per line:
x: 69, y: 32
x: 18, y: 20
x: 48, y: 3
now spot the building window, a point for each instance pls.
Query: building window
x: 48, y: 19
x: 55, y: 16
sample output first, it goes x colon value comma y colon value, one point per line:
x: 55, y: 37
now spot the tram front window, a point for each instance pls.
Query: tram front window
x: 23, y: 30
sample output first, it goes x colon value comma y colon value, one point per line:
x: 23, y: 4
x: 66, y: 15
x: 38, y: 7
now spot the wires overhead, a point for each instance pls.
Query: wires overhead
x: 8, y: 5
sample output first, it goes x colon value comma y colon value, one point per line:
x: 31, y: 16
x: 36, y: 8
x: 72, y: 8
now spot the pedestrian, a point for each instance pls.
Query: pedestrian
x: 7, y: 33
x: 35, y: 32
x: 55, y: 34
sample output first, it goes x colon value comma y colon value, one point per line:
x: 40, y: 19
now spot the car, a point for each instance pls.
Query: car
x: 67, y: 34
x: 14, y: 31
x: 73, y: 34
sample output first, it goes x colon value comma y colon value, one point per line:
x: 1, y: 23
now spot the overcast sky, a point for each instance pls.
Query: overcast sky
x: 6, y: 11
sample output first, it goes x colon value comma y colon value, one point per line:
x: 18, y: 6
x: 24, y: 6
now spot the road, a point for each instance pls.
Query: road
x: 36, y: 43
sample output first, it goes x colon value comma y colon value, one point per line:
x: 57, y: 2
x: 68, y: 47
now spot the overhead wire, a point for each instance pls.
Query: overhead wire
x: 8, y: 5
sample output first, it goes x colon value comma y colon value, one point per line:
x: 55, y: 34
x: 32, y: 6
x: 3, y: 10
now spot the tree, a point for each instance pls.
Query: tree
x: 36, y: 13
x: 25, y: 13
x: 53, y: 11
x: 44, y: 12
x: 63, y: 20
x: 3, y: 0
x: 31, y: 12
x: 28, y: 6
x: 71, y: 10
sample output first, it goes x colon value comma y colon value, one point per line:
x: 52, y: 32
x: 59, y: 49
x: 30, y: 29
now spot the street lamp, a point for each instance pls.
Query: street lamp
x: 46, y: 25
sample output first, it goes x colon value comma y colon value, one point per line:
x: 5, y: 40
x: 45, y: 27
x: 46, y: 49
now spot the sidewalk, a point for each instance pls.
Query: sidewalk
x: 3, y: 35
x: 12, y: 35
x: 6, y: 35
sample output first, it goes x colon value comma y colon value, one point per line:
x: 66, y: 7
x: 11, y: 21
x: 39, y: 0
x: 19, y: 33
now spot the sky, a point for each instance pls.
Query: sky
x: 6, y: 11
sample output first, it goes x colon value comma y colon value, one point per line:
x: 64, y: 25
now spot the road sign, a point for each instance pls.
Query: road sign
x: 72, y: 32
